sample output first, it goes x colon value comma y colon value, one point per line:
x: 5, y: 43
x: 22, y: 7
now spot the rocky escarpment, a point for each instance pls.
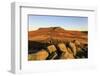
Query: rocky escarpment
x: 57, y: 43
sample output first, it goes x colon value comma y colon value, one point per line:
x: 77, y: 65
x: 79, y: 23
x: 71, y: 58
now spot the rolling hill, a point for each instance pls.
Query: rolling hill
x: 57, y: 33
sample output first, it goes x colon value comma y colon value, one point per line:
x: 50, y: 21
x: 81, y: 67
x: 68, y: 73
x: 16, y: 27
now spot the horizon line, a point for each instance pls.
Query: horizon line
x: 72, y: 29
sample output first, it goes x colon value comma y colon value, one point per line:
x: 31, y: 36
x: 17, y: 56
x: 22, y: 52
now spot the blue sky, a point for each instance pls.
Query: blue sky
x: 67, y: 22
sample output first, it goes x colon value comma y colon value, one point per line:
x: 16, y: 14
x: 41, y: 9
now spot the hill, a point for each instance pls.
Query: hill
x: 57, y: 33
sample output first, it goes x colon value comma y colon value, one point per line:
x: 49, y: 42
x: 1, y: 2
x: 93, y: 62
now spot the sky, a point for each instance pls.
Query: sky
x: 66, y: 22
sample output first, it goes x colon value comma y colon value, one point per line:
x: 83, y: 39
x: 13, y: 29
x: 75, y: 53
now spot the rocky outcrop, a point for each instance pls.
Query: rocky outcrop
x: 57, y: 43
x: 71, y: 50
x: 41, y: 55
x: 51, y: 48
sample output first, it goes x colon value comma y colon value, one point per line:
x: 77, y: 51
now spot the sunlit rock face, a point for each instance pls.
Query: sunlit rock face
x: 57, y: 43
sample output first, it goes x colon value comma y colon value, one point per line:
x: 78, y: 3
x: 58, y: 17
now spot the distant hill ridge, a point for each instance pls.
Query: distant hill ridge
x: 57, y: 29
x: 56, y: 33
x: 51, y: 28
